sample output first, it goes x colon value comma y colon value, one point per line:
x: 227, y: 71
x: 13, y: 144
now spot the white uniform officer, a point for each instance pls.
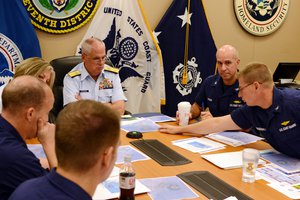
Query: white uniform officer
x: 92, y: 79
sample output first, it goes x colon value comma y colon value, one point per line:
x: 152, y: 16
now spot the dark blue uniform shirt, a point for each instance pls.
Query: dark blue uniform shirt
x: 51, y: 186
x: 279, y: 124
x: 220, y: 99
x: 17, y: 163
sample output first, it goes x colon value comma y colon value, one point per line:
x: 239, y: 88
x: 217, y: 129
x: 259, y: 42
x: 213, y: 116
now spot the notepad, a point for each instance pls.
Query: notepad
x: 228, y: 160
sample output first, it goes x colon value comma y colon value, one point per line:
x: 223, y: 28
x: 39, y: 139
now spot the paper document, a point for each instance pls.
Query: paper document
x: 234, y: 138
x: 228, y: 160
x: 161, y: 118
x: 198, y: 145
x: 128, y: 150
x: 286, y: 189
x: 140, y: 124
x: 270, y: 174
x: 37, y: 150
x: 284, y: 162
x: 155, y: 116
x: 168, y: 188
x: 109, y: 189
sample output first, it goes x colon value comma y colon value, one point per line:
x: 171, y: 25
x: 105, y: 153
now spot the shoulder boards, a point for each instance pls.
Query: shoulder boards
x: 74, y: 73
x: 111, y: 69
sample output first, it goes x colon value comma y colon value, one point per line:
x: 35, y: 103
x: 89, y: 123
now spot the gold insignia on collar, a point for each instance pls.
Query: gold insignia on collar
x: 237, y: 101
x: 285, y: 123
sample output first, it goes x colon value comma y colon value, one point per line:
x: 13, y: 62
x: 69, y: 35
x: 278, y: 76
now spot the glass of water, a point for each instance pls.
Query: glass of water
x: 250, y: 162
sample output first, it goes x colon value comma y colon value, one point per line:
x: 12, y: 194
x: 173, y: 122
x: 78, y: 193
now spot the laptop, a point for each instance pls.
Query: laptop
x: 286, y: 72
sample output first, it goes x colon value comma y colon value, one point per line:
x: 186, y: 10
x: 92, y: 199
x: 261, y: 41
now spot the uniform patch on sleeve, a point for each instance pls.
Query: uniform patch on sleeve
x: 111, y: 69
x: 74, y: 73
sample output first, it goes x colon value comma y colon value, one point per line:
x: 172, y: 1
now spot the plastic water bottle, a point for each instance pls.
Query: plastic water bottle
x: 127, y: 180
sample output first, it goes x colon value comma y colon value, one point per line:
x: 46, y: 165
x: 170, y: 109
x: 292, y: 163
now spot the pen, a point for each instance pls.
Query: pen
x: 81, y: 91
x: 202, y: 106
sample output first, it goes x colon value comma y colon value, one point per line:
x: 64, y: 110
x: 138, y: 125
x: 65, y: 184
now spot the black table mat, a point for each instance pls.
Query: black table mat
x: 160, y: 152
x: 211, y: 186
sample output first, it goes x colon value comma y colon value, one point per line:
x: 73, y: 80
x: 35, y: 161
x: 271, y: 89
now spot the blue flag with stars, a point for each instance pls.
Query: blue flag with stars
x: 18, y: 38
x: 188, y: 51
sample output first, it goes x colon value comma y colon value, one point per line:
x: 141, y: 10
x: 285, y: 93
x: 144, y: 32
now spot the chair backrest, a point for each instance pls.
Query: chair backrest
x: 61, y: 67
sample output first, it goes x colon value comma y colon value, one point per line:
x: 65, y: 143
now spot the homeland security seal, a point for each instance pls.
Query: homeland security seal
x: 261, y: 17
x: 10, y: 55
x: 60, y: 16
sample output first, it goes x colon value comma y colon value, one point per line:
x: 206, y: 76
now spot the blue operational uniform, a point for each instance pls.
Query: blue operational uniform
x: 17, y: 163
x: 279, y: 124
x: 106, y: 89
x: 219, y: 98
x: 51, y: 186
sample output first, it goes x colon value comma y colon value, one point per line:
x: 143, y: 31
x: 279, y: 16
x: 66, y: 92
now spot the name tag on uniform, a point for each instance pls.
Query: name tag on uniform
x: 105, y: 84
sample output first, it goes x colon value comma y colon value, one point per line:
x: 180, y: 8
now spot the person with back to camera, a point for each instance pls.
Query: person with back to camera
x: 274, y: 113
x: 94, y: 80
x: 219, y: 92
x: 34, y: 67
x: 26, y: 105
x: 83, y: 161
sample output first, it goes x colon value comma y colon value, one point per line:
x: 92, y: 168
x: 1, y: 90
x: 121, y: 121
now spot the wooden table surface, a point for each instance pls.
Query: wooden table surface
x: 151, y: 169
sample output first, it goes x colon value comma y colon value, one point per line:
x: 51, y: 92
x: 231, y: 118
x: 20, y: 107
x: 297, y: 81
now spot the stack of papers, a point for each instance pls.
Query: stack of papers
x: 109, y: 189
x: 229, y: 160
x: 198, y: 145
x: 235, y: 139
x: 283, y: 173
x: 283, y: 162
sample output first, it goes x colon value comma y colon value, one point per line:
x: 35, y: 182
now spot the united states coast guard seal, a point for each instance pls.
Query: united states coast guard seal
x: 261, y: 17
x: 193, y: 77
x: 60, y: 16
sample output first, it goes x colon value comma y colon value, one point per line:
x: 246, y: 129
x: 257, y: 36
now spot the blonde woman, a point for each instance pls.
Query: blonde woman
x: 34, y: 67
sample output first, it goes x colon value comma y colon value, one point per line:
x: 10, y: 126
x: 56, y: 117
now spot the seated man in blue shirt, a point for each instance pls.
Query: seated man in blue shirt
x: 94, y: 80
x: 272, y: 112
x: 26, y: 105
x: 219, y: 92
x: 86, y: 141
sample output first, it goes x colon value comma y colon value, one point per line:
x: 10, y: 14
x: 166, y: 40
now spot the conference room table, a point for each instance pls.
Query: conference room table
x: 259, y: 190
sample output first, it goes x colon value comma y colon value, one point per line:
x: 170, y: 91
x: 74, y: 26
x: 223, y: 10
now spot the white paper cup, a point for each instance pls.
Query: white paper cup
x: 184, y: 109
x: 250, y: 161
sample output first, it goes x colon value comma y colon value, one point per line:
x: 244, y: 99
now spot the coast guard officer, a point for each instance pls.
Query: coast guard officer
x: 274, y: 113
x: 94, y: 80
x: 219, y: 92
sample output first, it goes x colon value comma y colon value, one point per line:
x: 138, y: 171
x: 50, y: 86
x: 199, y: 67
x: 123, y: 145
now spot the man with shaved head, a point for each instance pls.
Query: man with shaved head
x: 219, y: 92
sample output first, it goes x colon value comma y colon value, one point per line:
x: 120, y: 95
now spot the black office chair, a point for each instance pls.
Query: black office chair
x: 61, y: 67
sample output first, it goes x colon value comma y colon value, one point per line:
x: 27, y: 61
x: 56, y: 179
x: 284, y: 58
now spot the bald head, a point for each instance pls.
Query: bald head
x: 90, y: 43
x: 228, y: 49
x: 228, y: 62
x: 24, y: 92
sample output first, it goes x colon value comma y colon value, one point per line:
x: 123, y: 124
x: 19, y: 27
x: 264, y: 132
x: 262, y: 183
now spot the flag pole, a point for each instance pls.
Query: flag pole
x: 186, y: 47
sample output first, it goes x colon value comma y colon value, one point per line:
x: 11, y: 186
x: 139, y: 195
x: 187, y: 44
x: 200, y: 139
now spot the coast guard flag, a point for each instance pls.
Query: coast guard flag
x: 131, y: 47
x: 18, y: 38
x: 188, y: 51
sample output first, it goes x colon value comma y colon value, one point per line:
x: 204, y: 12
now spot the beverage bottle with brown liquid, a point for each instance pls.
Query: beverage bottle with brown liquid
x: 127, y: 180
